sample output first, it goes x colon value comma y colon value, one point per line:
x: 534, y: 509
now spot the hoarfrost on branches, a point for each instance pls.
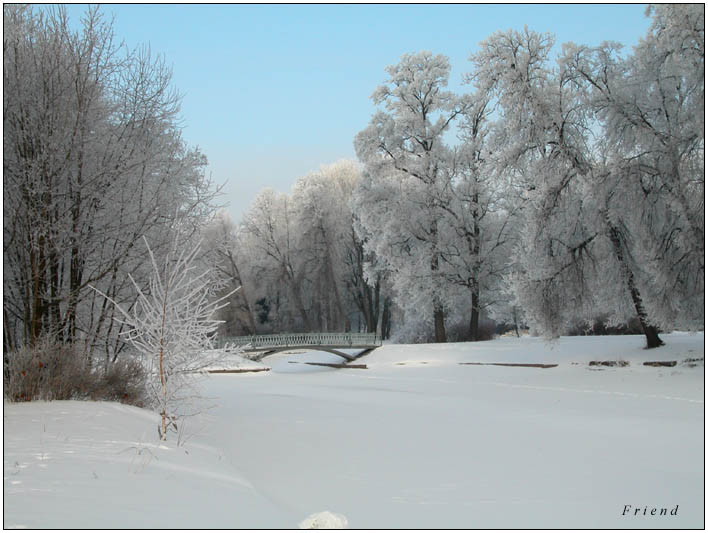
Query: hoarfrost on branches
x: 172, y: 326
x: 608, y: 153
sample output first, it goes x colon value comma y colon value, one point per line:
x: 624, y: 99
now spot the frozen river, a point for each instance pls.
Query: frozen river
x: 419, y: 441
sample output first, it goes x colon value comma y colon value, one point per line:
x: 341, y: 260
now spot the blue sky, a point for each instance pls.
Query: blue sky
x: 272, y: 92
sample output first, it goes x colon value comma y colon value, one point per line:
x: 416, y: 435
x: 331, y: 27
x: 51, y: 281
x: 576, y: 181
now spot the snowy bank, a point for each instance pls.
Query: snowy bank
x: 99, y: 465
x: 563, y: 351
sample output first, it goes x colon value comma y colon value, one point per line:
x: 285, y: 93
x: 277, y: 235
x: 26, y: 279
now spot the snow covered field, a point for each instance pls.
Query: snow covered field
x: 416, y: 440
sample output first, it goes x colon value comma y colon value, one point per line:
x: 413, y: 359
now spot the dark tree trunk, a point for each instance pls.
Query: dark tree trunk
x: 55, y: 287
x: 297, y: 297
x: 343, y: 319
x: 365, y: 302
x: 474, y: 313
x: 515, y: 315
x: 364, y: 295
x: 8, y: 343
x: 474, y: 248
x: 438, y: 311
x: 439, y: 316
x: 650, y: 332
x: 38, y: 287
x: 376, y: 306
x: 386, y: 319
x: 245, y: 306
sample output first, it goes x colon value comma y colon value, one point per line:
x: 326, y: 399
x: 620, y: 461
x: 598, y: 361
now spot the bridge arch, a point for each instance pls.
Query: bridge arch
x: 266, y: 345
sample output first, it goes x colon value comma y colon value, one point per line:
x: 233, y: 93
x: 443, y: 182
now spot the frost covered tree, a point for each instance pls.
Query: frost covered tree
x: 432, y: 210
x: 368, y: 284
x: 544, y: 136
x: 340, y: 296
x: 320, y: 202
x: 93, y: 161
x: 270, y: 237
x: 406, y: 179
x: 651, y: 106
x: 479, y: 233
x: 605, y: 150
x: 302, y: 258
x: 221, y: 253
x: 171, y: 326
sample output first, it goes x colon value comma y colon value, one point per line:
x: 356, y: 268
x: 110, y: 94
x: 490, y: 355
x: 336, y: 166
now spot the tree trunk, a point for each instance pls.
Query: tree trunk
x: 439, y: 316
x: 386, y: 319
x: 375, y: 307
x: 342, y: 315
x: 297, y: 297
x: 474, y: 313
x: 246, y: 312
x: 236, y: 276
x: 8, y: 343
x: 438, y: 311
x: 650, y: 332
x: 515, y: 314
x: 380, y: 325
x: 368, y: 302
x: 364, y: 295
x: 474, y: 248
x: 76, y: 263
x: 38, y: 286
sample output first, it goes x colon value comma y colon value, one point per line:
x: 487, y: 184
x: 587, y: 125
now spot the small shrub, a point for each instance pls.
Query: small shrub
x: 123, y: 381
x: 486, y: 330
x: 55, y: 371
x: 414, y: 331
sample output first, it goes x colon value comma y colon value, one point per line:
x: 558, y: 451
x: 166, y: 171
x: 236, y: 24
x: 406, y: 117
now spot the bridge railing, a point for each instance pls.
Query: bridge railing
x: 302, y: 339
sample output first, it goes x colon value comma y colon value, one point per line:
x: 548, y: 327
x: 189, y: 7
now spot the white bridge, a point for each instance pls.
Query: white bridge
x: 266, y: 345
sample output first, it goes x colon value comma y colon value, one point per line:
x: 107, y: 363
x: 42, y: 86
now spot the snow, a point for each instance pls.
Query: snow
x: 428, y: 443
x: 101, y: 465
x: 324, y: 520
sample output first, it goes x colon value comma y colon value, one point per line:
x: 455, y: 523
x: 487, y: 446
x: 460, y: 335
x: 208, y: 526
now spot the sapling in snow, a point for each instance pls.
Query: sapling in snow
x: 172, y: 326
